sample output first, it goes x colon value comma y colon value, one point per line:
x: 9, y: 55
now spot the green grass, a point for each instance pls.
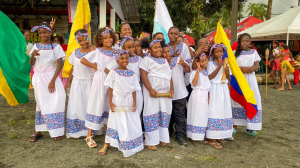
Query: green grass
x: 13, y: 135
x: 11, y: 122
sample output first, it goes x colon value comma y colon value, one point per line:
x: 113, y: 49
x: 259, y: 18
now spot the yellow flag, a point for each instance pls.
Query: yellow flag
x: 82, y: 20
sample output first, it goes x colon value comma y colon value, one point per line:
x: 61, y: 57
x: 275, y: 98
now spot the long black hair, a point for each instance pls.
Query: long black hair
x: 239, y: 49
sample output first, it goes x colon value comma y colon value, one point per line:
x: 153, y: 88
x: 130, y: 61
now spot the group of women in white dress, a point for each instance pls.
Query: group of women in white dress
x: 135, y: 94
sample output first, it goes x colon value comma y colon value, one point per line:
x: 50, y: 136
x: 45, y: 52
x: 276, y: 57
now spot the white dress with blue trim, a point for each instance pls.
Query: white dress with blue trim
x: 220, y: 115
x: 247, y: 59
x: 98, y: 104
x: 197, y: 111
x: 134, y: 63
x: 50, y: 107
x: 124, y: 130
x: 157, y: 111
x: 79, y: 96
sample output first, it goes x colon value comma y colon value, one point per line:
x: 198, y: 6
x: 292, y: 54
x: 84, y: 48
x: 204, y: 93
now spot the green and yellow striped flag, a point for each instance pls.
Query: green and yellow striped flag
x: 14, y: 63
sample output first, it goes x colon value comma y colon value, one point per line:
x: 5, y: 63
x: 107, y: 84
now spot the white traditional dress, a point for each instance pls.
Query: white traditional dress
x: 133, y: 65
x: 220, y: 114
x: 157, y: 111
x: 184, y: 52
x: 124, y: 130
x: 98, y: 104
x: 79, y: 96
x: 180, y: 91
x: 50, y: 107
x: 198, y: 110
x: 247, y: 59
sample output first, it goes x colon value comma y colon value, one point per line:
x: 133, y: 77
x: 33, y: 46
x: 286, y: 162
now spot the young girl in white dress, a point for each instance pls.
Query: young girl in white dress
x: 50, y: 96
x: 220, y: 115
x: 81, y: 77
x: 98, y: 105
x: 248, y: 61
x: 134, y: 61
x: 124, y: 130
x: 156, y: 76
x: 197, y: 112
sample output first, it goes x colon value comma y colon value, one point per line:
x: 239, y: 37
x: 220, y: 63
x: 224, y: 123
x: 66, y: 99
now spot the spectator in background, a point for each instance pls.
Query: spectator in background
x: 59, y: 39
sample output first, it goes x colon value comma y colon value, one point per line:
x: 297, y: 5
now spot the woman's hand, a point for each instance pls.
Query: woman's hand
x: 153, y: 93
x: 51, y: 87
x: 35, y: 53
x: 112, y: 106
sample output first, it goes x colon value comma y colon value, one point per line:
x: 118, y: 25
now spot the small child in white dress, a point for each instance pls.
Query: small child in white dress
x: 197, y: 112
x: 124, y: 129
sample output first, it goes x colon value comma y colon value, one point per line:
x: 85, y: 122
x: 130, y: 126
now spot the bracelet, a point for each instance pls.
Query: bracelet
x: 196, y: 57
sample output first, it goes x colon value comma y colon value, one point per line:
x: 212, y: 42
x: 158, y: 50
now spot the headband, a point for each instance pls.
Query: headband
x: 125, y: 39
x: 106, y: 32
x: 82, y: 34
x: 38, y: 27
x: 217, y: 45
x: 202, y: 55
x: 120, y: 52
x: 153, y: 42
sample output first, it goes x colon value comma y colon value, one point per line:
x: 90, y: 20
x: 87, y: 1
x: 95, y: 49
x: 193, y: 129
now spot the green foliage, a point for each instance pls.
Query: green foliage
x: 13, y: 135
x: 258, y: 10
x: 11, y: 122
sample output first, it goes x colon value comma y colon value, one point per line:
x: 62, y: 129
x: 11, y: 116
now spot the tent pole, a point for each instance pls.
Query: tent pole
x: 287, y: 38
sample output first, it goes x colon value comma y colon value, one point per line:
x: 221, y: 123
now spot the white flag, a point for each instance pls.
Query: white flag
x: 162, y: 19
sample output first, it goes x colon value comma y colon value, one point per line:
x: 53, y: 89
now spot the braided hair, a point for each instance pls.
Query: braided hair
x: 239, y: 49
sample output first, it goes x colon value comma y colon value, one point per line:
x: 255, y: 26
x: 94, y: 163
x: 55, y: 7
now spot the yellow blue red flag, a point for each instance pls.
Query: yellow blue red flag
x: 82, y: 20
x: 240, y: 90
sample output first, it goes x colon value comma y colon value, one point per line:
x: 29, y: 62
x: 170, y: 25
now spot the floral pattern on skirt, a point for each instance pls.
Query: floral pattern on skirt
x: 219, y: 124
x: 75, y: 125
x: 195, y: 129
x: 54, y: 120
x: 152, y: 122
x: 96, y: 119
x: 240, y: 113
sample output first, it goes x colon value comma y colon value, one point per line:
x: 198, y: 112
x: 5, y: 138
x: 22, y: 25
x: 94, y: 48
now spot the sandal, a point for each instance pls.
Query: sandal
x: 163, y: 144
x: 216, y: 145
x: 152, y: 148
x: 35, y: 137
x: 91, y: 142
x: 103, y: 150
x: 222, y: 141
x: 57, y: 138
x: 254, y: 133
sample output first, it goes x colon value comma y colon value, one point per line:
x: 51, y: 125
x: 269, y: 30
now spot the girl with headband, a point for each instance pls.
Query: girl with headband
x: 98, y: 105
x: 248, y: 61
x: 219, y: 125
x: 156, y: 76
x: 124, y: 129
x: 50, y: 96
x: 81, y: 77
x: 127, y: 44
x: 197, y: 112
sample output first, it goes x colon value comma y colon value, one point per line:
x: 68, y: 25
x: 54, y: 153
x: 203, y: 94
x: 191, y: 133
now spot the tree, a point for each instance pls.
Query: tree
x: 258, y: 10
x: 269, y: 9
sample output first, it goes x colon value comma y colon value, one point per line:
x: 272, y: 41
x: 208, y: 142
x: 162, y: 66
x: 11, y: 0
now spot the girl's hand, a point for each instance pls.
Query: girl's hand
x: 35, y: 53
x: 153, y: 93
x: 134, y: 107
x: 199, y: 51
x: 96, y: 69
x: 219, y: 62
x: 181, y: 61
x: 67, y: 86
x: 52, y: 23
x: 51, y: 87
x: 227, y: 70
x: 172, y: 93
x: 112, y: 106
x: 198, y: 67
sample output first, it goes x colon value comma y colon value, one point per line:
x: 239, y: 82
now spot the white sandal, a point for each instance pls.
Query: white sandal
x: 90, y: 142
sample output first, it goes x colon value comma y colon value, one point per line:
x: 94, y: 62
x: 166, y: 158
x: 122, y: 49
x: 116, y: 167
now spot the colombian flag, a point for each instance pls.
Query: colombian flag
x: 14, y: 63
x: 82, y: 20
x: 239, y: 88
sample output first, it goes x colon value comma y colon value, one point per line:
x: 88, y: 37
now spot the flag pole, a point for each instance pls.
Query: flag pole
x: 267, y: 56
x: 154, y: 17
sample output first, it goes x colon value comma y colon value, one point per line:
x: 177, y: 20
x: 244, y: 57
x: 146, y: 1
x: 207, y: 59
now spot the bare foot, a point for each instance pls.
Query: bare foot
x: 216, y: 145
x: 280, y: 88
x: 153, y: 148
x: 290, y: 88
x: 162, y: 143
x: 58, y: 138
x: 275, y: 86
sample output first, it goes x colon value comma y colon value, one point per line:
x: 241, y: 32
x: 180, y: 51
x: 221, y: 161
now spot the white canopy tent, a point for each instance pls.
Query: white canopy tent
x: 282, y: 27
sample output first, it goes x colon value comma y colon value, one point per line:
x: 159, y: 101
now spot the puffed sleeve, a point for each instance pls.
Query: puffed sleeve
x: 72, y: 57
x: 210, y: 68
x: 110, y: 80
x: 256, y: 56
x: 58, y: 52
x: 136, y: 83
x: 112, y: 65
x: 92, y: 57
x: 145, y: 64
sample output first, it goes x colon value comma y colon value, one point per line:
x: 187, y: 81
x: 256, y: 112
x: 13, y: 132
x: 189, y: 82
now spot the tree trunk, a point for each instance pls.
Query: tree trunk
x: 234, y: 17
x: 269, y: 9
